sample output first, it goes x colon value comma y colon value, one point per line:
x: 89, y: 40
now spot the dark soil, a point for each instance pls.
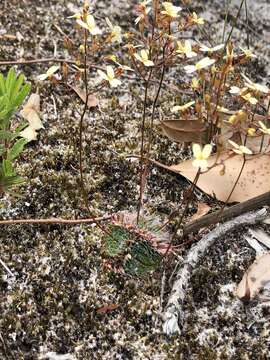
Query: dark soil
x: 61, y: 281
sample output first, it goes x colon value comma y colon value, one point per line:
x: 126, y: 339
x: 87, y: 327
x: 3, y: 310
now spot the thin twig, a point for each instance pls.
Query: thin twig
x: 58, y: 221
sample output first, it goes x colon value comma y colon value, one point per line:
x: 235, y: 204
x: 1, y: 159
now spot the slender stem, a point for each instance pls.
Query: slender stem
x: 234, y: 24
x: 84, y: 110
x: 226, y: 20
x: 42, y: 60
x: 59, y: 221
x: 180, y: 221
x: 142, y: 146
x: 247, y: 24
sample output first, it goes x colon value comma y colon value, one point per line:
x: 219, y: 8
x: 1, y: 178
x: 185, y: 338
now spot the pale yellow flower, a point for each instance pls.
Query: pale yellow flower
x: 195, y: 83
x: 90, y: 25
x: 52, y: 70
x: 249, y: 98
x: 109, y: 76
x: 144, y: 58
x: 264, y: 128
x: 197, y: 20
x: 240, y: 149
x: 201, y: 155
x: 185, y: 49
x: 251, y: 131
x: 248, y: 53
x: 170, y: 10
x: 182, y: 107
x: 239, y: 116
x: 205, y: 48
x: 256, y: 87
x: 144, y: 11
x: 116, y: 31
x: 203, y: 63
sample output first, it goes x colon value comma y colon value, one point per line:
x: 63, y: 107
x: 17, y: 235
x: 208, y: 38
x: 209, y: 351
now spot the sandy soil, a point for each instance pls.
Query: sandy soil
x: 60, y: 279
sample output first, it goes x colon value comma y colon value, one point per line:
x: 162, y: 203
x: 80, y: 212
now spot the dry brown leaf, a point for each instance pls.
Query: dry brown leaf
x: 202, y: 210
x: 184, y: 130
x: 107, y: 308
x: 256, y: 280
x: 254, y: 180
x: 92, y: 99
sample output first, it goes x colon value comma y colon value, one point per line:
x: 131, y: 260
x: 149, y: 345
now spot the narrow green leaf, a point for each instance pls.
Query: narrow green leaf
x: 17, y: 148
x: 7, y: 168
x: 17, y: 86
x: 6, y: 135
x: 10, y: 81
x: 22, y: 95
x: 2, y: 85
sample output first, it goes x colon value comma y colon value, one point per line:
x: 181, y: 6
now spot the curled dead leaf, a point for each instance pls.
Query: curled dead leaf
x: 256, y: 280
x: 185, y: 130
x: 92, y: 101
x: 201, y: 210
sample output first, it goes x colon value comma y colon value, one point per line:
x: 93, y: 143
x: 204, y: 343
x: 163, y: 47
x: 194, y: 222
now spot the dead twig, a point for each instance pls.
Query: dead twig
x: 173, y: 312
x: 58, y: 221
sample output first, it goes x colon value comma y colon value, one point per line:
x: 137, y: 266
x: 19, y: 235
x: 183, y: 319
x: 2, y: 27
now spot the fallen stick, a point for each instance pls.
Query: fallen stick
x: 226, y: 214
x: 173, y: 310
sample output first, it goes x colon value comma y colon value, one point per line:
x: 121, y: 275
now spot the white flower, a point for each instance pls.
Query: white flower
x: 203, y: 63
x: 185, y: 49
x: 110, y: 76
x: 182, y: 107
x: 89, y: 25
x: 116, y: 31
x: 144, y: 58
x: 52, y: 70
x: 170, y: 10
x: 205, y: 48
x: 201, y: 155
x: 240, y: 149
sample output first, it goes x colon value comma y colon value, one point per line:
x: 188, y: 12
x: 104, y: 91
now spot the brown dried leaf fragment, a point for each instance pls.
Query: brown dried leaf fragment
x: 185, y: 130
x: 256, y: 280
x: 92, y: 99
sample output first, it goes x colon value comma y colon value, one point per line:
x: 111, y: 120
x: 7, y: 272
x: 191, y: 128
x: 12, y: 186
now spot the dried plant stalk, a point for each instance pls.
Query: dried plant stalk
x: 173, y: 311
